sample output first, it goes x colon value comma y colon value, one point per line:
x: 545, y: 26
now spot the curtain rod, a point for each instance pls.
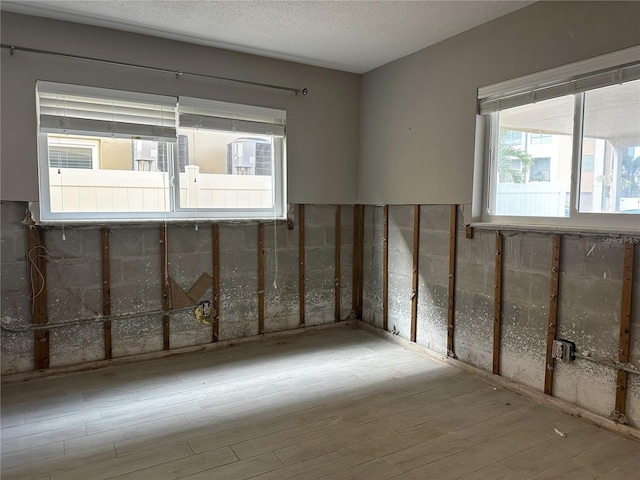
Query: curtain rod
x: 177, y: 73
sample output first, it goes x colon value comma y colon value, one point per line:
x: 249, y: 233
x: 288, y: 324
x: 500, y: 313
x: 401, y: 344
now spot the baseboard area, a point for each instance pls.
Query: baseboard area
x: 498, y: 381
x: 62, y: 370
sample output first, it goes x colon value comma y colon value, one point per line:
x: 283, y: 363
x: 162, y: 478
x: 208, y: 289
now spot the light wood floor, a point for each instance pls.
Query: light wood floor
x: 335, y: 403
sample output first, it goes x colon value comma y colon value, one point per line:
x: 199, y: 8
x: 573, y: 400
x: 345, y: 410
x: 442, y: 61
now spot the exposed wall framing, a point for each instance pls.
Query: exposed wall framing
x: 215, y: 239
x: 624, y: 349
x: 36, y: 253
x: 106, y: 292
x: 301, y: 271
x: 385, y: 269
x: 261, y: 278
x: 414, y: 273
x: 552, y: 324
x: 497, y: 304
x: 166, y: 299
x: 453, y: 219
x: 337, y: 243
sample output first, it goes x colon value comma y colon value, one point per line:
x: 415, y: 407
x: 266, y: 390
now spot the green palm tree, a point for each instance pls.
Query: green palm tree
x: 507, y: 154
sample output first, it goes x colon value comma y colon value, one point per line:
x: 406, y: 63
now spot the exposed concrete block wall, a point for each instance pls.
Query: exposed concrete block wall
x: 433, y: 277
x: 74, y: 283
x: 372, y: 265
x: 526, y: 281
x: 589, y: 315
x: 15, y: 306
x: 589, y: 308
x: 474, y: 274
x: 400, y: 268
x: 319, y: 235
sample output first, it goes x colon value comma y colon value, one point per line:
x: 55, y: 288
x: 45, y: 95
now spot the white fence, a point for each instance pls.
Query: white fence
x: 537, y: 199
x: 79, y: 190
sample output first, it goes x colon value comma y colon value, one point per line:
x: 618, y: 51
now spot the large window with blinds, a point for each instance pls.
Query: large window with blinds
x: 108, y: 155
x: 562, y: 147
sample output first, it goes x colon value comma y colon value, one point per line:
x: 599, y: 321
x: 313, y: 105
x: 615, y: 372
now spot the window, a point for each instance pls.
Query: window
x: 579, y: 165
x: 108, y: 155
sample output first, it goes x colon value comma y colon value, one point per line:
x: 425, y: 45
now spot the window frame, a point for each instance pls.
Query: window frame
x: 174, y: 212
x: 484, y: 188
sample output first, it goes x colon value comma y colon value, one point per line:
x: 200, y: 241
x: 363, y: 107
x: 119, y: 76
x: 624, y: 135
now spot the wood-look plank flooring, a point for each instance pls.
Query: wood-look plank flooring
x: 337, y: 403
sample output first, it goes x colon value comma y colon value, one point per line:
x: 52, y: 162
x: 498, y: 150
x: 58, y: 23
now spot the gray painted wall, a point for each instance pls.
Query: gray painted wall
x: 322, y: 127
x: 418, y: 113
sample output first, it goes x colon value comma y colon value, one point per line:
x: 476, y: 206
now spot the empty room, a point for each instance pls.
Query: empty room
x: 320, y: 240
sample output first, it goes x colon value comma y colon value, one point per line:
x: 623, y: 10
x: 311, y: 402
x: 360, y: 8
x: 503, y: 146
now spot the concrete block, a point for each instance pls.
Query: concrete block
x: 434, y: 243
x: 238, y: 329
x: 129, y: 242
x: 281, y: 323
x: 434, y: 269
x: 400, y: 239
x: 587, y: 385
x: 182, y: 239
x: 401, y: 216
x: 133, y: 271
x: 473, y: 335
x: 136, y: 335
x: 17, y: 351
x: 241, y: 262
x: 605, y: 261
x: 68, y: 304
x: 346, y: 219
x: 535, y: 251
x: 400, y: 304
x: 150, y: 238
x: 314, y: 236
x: 185, y: 331
x: 69, y: 247
x: 232, y: 238
x: 324, y: 257
x: 135, y: 298
x: 320, y: 215
x: 475, y: 277
x: 572, y: 254
x: 281, y: 238
x: 578, y: 294
x: 633, y: 400
x: 186, y: 269
x: 76, y: 344
x: 435, y: 217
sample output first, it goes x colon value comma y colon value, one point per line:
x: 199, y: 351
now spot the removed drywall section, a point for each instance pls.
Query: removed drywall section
x: 433, y: 277
x: 320, y: 264
x: 190, y: 263
x: 373, y: 273
x: 238, y: 281
x: 589, y: 315
x: 282, y: 299
x: 400, y: 268
x: 15, y: 307
x: 525, y: 307
x: 474, y: 297
x: 346, y: 261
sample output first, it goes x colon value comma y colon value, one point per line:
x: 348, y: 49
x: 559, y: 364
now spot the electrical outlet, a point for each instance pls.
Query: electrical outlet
x: 564, y: 350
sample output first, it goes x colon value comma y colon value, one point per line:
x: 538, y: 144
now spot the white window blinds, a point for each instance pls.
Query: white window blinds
x: 73, y: 109
x: 228, y: 117
x: 612, y: 69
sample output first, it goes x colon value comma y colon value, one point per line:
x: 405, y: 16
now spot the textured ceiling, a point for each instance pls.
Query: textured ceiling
x: 355, y: 36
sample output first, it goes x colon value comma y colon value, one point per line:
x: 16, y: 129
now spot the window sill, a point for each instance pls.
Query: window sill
x: 561, y: 229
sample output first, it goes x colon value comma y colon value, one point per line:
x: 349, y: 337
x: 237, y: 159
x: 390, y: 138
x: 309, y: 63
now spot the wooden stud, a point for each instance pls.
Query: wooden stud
x: 625, y: 333
x: 166, y: 302
x: 414, y: 277
x: 552, y: 326
x: 166, y: 334
x: 625, y: 311
x: 356, y: 263
x: 468, y: 231
x: 453, y: 218
x: 385, y: 269
x: 38, y: 281
x: 261, y: 278
x: 360, y: 261
x: 337, y: 273
x: 215, y: 233
x: 497, y: 305
x: 106, y: 293
x: 301, y: 254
